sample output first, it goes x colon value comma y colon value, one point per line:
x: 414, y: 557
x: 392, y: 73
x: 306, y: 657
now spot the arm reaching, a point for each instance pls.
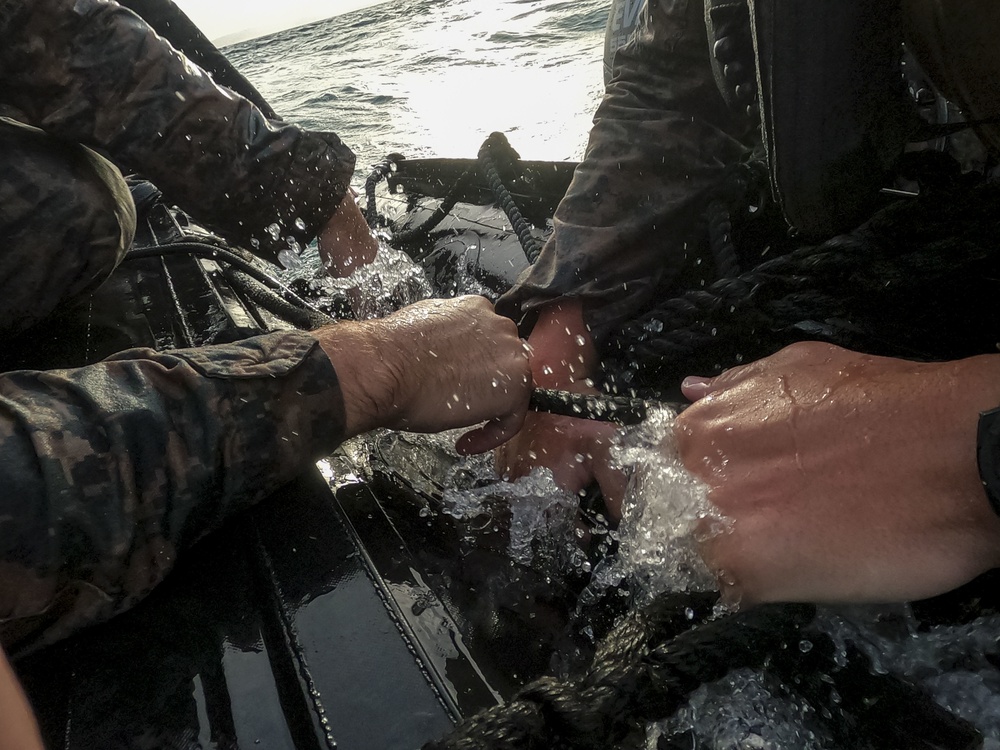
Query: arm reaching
x: 663, y: 140
x: 575, y: 450
x: 112, y: 470
x: 433, y: 366
x: 93, y: 72
x: 847, y: 477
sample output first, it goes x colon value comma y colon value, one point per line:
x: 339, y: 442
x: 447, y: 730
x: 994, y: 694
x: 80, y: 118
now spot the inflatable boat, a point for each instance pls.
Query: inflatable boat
x: 347, y: 611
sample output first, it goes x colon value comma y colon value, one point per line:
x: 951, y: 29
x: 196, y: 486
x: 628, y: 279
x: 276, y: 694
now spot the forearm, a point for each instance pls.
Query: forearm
x: 94, y: 72
x: 112, y: 470
x: 662, y: 141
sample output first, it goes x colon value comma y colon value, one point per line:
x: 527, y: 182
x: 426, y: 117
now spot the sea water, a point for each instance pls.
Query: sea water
x: 431, y: 78
x: 435, y: 77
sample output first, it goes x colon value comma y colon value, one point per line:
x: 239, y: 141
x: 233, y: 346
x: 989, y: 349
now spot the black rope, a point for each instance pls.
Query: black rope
x: 494, y: 147
x: 306, y: 319
x: 619, y: 409
x: 225, y: 255
x: 497, y: 142
x: 420, y: 231
x: 643, y: 672
x: 648, y: 665
x: 379, y: 172
x: 869, y: 289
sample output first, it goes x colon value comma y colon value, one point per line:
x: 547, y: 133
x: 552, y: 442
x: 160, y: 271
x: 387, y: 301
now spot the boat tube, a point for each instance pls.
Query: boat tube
x: 349, y: 610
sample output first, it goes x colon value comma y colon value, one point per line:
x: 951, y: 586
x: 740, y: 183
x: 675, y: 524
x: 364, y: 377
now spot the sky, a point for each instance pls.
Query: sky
x: 220, y: 19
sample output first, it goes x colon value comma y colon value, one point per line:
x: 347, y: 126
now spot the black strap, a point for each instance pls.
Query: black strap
x: 988, y: 455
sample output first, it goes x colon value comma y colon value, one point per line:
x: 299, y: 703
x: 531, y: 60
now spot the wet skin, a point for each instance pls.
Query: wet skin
x: 432, y: 366
x: 575, y: 450
x: 847, y: 477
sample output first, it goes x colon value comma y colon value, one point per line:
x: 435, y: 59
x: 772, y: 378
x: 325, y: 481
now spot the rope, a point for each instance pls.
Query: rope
x: 619, y: 409
x: 487, y: 153
x: 288, y: 306
x: 496, y: 145
x: 420, y: 231
x: 843, y: 290
x: 379, y: 172
x: 649, y: 664
x: 644, y: 671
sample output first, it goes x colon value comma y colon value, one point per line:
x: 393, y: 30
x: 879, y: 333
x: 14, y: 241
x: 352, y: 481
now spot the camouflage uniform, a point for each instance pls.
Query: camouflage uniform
x: 108, y: 471
x: 664, y: 137
x: 662, y: 140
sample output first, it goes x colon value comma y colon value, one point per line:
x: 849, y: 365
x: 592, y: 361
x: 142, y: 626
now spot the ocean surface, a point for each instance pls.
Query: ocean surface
x: 435, y: 77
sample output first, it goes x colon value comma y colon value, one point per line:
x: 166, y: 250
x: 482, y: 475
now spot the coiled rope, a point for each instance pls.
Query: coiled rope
x: 496, y: 150
x: 871, y: 288
x: 649, y: 664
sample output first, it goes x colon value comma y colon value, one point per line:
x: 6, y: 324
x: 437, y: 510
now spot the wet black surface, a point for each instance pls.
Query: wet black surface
x: 273, y: 632
x: 279, y: 630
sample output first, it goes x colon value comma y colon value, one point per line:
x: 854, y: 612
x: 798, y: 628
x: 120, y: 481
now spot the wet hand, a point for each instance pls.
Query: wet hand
x: 575, y: 450
x: 432, y: 366
x: 847, y: 477
x: 346, y: 242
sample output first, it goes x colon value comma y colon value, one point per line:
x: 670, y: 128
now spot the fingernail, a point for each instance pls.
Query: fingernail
x: 694, y: 381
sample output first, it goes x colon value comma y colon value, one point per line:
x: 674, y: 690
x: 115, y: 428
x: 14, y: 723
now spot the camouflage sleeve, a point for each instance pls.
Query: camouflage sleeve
x: 662, y: 136
x: 94, y: 72
x: 109, y: 471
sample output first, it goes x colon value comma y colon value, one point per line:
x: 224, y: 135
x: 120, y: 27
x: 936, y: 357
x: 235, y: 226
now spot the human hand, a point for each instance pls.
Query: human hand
x: 847, y: 477
x: 18, y: 728
x: 575, y: 450
x: 346, y: 242
x: 432, y: 366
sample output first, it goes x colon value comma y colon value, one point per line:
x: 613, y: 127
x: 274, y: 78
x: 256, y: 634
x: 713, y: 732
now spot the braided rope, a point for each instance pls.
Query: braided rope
x: 645, y: 669
x: 850, y: 288
x: 529, y: 244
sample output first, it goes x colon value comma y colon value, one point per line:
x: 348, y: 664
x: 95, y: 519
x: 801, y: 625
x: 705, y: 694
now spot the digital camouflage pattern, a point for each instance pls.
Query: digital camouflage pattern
x: 109, y: 471
x: 74, y: 243
x: 93, y: 72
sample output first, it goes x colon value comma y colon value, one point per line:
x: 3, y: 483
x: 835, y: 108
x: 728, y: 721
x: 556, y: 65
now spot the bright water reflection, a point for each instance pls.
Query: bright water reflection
x: 432, y: 78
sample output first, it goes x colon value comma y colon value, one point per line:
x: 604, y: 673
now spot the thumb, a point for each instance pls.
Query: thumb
x: 694, y: 387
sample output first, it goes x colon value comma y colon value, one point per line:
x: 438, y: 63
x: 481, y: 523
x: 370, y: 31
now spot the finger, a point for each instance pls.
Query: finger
x: 491, y: 435
x: 613, y: 484
x: 694, y: 387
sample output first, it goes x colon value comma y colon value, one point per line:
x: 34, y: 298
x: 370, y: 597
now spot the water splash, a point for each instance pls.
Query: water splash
x: 539, y: 511
x: 391, y: 281
x: 664, y: 509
